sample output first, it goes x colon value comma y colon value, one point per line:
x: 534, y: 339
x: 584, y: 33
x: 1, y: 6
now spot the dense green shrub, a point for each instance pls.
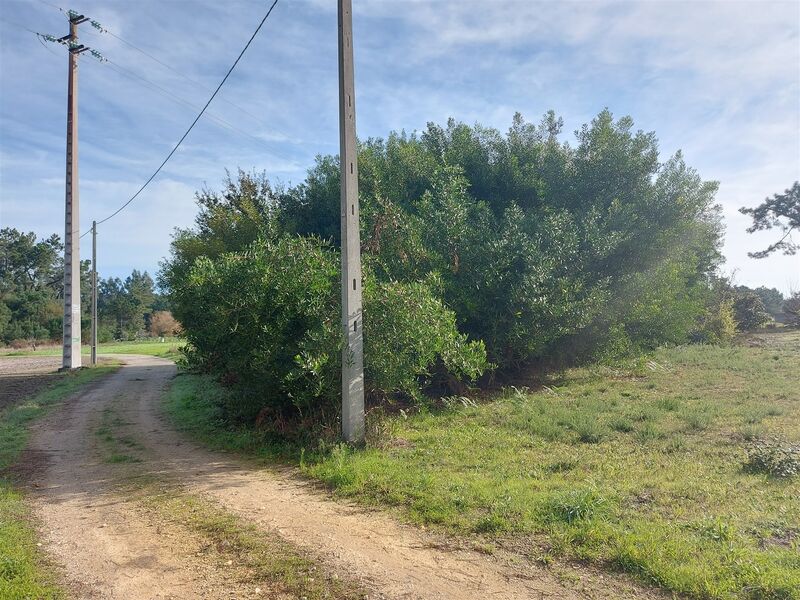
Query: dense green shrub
x: 531, y: 246
x: 542, y: 248
x: 771, y: 298
x: 267, y: 321
x: 718, y: 325
x: 791, y: 309
x: 407, y: 332
x: 749, y: 310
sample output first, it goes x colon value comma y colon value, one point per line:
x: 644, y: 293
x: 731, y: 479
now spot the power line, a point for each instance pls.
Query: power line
x: 19, y: 26
x: 182, y: 75
x: 153, y: 86
x: 64, y: 41
x: 197, y: 118
x: 53, y: 6
x: 45, y: 46
x: 42, y: 38
x: 174, y: 97
x: 101, y: 30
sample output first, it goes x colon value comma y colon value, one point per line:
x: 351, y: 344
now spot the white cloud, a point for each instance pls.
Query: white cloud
x: 718, y: 79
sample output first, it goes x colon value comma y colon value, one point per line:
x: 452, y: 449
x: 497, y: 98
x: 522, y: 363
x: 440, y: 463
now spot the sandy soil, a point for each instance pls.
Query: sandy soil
x: 110, y: 550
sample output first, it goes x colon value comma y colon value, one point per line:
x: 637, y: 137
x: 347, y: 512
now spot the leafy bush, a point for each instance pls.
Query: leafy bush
x: 408, y: 331
x: 542, y: 248
x: 477, y: 245
x: 749, y: 311
x: 773, y: 456
x: 791, y: 309
x: 262, y: 321
x: 267, y: 322
x: 719, y: 325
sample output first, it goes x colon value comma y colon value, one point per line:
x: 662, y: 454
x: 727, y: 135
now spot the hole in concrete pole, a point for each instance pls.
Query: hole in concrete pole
x: 352, y: 209
x: 354, y: 284
x: 355, y: 325
x: 351, y: 168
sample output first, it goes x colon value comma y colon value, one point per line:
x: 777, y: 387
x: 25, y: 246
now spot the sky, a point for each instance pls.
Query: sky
x: 718, y: 80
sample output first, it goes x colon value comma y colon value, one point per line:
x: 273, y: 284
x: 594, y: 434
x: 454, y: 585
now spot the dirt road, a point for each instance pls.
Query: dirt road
x: 109, y: 549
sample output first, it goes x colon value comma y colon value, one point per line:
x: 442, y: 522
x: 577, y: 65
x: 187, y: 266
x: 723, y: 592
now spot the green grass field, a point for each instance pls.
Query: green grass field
x: 169, y: 348
x: 638, y: 469
x: 22, y: 574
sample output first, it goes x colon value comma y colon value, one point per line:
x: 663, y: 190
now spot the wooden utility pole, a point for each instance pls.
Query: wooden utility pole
x: 352, y: 312
x: 71, y: 358
x: 94, y: 293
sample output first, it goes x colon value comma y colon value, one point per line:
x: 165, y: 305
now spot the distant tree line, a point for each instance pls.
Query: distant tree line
x: 32, y: 292
x: 483, y: 252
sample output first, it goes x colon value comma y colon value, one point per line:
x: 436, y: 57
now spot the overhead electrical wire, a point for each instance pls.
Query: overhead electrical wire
x: 175, y: 98
x: 182, y: 75
x: 166, y: 92
x: 156, y: 87
x: 100, y: 30
x: 40, y: 36
x: 19, y: 26
x: 197, y: 118
x: 53, y: 6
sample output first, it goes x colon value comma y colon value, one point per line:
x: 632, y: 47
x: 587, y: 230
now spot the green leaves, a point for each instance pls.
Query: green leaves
x: 515, y: 247
x: 267, y: 321
x: 782, y: 212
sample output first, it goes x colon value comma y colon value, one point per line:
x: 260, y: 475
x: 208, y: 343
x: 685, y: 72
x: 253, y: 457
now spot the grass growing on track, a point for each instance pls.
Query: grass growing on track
x: 638, y: 470
x: 253, y: 556
x: 22, y: 573
x: 248, y: 556
x: 169, y: 348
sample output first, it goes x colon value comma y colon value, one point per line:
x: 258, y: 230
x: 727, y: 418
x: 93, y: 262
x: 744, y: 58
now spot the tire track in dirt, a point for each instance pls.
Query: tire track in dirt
x: 88, y: 529
x: 108, y: 552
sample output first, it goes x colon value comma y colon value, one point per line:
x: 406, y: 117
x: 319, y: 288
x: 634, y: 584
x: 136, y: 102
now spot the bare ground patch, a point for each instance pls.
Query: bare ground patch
x: 23, y: 377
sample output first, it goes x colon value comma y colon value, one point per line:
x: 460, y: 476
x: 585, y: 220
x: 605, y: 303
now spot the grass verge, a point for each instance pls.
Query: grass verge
x: 169, y: 348
x: 640, y: 470
x: 22, y: 571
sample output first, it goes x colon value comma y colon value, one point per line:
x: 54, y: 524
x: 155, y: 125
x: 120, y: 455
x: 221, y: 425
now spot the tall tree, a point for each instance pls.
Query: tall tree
x: 749, y: 310
x: 30, y: 285
x: 771, y: 297
x: 782, y: 212
x: 791, y: 308
x: 26, y: 264
x: 538, y: 246
x: 125, y: 304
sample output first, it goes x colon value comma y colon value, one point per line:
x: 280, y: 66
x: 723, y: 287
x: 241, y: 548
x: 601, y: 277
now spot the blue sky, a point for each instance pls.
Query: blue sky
x: 719, y: 80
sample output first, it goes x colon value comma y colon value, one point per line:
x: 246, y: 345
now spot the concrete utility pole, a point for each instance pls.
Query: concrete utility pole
x: 352, y: 312
x: 94, y: 293
x: 72, y: 258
